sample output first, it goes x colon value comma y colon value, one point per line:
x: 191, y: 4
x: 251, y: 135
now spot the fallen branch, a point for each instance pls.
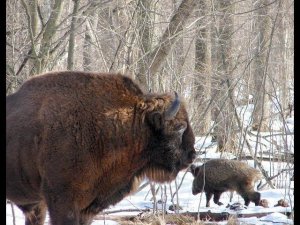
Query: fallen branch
x: 225, y: 215
x: 123, y: 210
x: 206, y: 216
x: 278, y: 158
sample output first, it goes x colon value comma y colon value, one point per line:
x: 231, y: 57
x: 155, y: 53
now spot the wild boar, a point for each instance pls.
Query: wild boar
x: 219, y: 175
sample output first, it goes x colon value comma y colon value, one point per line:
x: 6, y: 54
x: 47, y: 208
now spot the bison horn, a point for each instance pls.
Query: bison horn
x: 173, y: 109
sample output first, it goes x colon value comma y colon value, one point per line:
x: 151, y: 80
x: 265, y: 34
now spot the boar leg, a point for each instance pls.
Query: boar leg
x: 217, y: 196
x: 208, y: 197
x: 247, y: 200
x: 254, y: 197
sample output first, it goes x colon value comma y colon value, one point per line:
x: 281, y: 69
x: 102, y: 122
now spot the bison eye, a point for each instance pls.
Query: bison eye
x: 180, y: 128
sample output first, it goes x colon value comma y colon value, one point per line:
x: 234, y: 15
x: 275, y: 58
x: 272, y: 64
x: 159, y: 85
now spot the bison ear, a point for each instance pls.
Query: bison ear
x: 156, y: 120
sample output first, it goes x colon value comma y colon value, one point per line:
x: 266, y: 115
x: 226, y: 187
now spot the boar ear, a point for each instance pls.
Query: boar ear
x: 194, y: 170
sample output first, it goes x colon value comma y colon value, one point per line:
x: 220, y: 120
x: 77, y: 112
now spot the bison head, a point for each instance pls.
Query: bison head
x: 198, y: 181
x: 171, y: 143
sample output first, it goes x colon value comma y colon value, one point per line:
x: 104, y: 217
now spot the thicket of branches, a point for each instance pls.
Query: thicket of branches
x: 218, y: 54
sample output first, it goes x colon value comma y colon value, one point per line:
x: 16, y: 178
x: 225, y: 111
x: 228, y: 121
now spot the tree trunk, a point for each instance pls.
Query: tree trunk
x: 263, y: 29
x: 31, y: 9
x: 224, y: 111
x: 144, y: 41
x: 161, y: 51
x: 88, y: 49
x: 32, y: 4
x: 283, y: 73
x: 44, y: 56
x: 87, y: 62
x: 203, y: 71
x: 71, y: 48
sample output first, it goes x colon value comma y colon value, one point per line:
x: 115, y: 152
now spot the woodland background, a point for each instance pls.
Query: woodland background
x: 219, y: 55
x: 216, y: 54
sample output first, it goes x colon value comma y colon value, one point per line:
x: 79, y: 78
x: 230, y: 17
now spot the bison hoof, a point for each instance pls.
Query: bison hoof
x: 220, y: 203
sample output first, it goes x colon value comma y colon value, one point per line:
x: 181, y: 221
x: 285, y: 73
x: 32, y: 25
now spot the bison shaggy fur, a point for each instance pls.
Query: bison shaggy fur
x: 79, y: 142
x: 219, y: 175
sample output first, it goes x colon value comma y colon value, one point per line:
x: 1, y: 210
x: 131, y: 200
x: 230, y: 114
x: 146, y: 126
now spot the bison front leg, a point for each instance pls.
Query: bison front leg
x: 86, y: 218
x: 34, y: 213
x: 61, y: 210
x: 63, y: 215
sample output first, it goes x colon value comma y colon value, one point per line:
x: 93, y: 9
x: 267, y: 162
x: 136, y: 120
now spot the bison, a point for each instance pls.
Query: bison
x: 219, y: 175
x: 78, y: 142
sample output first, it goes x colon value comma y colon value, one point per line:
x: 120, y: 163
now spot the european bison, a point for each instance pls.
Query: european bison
x: 79, y: 142
x: 220, y: 175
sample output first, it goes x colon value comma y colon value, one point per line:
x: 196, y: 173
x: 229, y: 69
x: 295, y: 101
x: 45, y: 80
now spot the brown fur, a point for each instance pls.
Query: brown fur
x: 79, y: 142
x: 220, y: 175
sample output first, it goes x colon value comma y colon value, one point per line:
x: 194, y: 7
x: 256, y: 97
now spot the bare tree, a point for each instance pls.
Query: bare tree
x: 283, y: 33
x: 223, y: 109
x: 42, y: 57
x: 263, y: 29
x: 203, y: 70
x: 144, y: 40
x: 90, y: 41
x: 160, y: 52
x: 71, y: 49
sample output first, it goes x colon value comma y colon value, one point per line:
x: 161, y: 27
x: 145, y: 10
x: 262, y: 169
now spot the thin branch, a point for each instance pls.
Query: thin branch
x: 256, y: 8
x: 124, y: 36
x: 161, y: 51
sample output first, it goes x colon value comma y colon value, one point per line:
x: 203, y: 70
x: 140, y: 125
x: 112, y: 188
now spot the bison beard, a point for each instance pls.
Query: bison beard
x: 79, y: 142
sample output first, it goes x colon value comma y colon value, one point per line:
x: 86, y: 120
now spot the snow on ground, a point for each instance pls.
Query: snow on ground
x: 189, y: 202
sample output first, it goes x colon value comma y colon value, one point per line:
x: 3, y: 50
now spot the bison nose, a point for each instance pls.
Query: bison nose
x: 194, y: 192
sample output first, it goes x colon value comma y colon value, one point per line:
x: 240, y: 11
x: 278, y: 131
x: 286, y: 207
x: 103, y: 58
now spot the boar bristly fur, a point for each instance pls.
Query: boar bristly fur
x: 78, y: 142
x: 220, y: 175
